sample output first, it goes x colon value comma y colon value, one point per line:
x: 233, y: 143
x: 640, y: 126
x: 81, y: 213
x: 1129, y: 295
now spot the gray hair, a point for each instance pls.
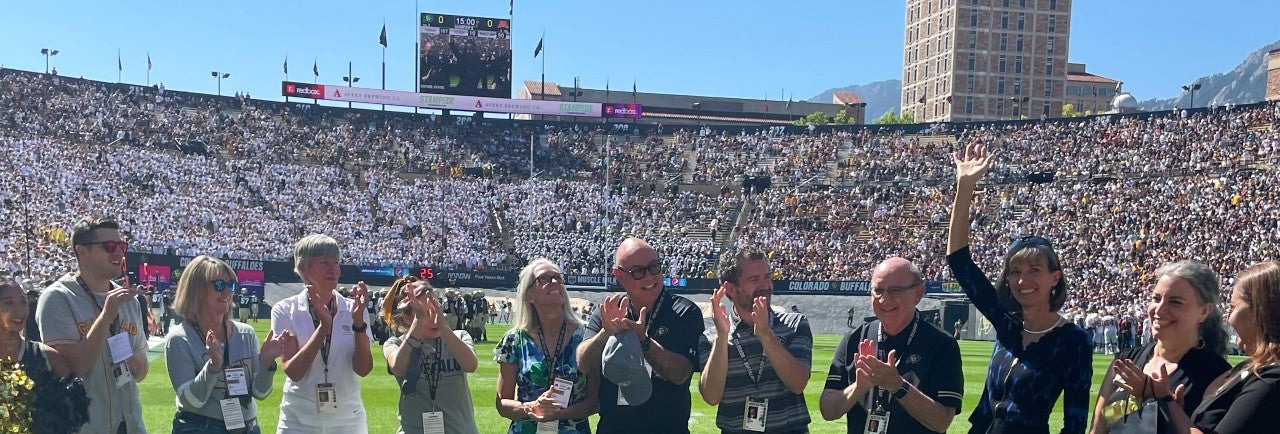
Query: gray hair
x: 1206, y: 284
x: 311, y: 247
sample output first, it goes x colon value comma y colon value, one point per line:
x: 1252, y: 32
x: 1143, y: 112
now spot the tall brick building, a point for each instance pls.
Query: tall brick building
x: 1273, y: 75
x: 975, y: 60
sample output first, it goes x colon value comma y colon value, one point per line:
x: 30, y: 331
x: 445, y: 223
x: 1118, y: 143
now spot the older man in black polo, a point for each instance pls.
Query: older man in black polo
x: 667, y: 327
x: 897, y: 374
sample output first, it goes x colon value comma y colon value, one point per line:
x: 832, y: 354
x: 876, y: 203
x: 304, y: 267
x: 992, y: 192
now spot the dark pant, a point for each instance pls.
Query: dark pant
x: 191, y: 423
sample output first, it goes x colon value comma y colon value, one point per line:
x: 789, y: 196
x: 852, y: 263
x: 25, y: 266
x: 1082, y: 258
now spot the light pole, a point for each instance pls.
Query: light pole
x: 1192, y: 88
x: 47, y: 54
x: 220, y: 76
x: 350, y: 79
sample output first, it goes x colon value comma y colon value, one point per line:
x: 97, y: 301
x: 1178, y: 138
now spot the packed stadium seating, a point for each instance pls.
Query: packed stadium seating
x: 244, y: 178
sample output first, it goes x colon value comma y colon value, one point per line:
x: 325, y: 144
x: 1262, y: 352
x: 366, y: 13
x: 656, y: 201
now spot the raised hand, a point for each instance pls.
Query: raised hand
x: 612, y: 314
x: 321, y: 310
x: 288, y: 344
x: 1130, y: 377
x: 116, y: 298
x: 361, y: 296
x: 718, y: 314
x: 434, y: 312
x: 972, y: 163
x: 881, y: 373
x: 760, y: 317
x: 272, y: 347
x: 213, y: 349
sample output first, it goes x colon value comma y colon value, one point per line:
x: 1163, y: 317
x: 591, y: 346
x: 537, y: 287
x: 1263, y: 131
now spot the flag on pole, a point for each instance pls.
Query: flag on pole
x: 606, y: 89
x: 382, y: 38
x: 119, y: 63
x: 512, y: 11
x: 148, y: 61
x: 286, y: 64
x: 538, y: 50
x: 315, y: 68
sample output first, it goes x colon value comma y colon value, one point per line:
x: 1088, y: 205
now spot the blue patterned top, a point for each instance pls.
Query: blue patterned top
x: 1023, y: 384
x: 520, y: 348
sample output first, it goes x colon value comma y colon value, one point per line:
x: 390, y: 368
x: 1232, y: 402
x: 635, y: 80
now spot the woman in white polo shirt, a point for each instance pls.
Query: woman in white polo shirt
x: 322, y: 391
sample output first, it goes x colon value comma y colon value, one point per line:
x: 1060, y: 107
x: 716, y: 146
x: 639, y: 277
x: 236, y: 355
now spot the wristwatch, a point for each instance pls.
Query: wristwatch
x: 646, y: 344
x: 360, y: 328
x: 902, y: 390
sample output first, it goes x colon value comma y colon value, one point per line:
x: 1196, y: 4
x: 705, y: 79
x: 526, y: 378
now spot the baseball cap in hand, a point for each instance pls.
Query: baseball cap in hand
x: 623, y: 364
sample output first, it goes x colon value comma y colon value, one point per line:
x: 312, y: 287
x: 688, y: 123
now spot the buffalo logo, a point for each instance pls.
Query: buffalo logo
x: 662, y: 330
x: 915, y: 358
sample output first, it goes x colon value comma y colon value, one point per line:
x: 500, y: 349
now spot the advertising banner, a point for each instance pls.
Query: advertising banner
x: 251, y: 280
x: 623, y: 111
x: 442, y: 102
x: 155, y: 275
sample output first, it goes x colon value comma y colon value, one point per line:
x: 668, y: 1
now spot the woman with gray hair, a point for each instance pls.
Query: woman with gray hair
x: 214, y: 363
x: 322, y: 391
x: 539, y: 384
x: 1189, y: 345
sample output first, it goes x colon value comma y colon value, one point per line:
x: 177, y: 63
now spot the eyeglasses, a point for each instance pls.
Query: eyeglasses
x: 547, y: 278
x: 224, y: 285
x: 893, y: 292
x: 111, y: 246
x: 1028, y: 241
x: 638, y: 273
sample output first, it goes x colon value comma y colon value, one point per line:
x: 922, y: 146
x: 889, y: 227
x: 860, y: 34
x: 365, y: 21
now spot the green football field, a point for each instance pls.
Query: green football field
x: 381, y: 394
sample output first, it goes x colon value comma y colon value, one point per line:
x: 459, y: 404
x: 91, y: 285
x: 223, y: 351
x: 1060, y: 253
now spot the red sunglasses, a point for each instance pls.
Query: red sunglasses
x: 111, y: 246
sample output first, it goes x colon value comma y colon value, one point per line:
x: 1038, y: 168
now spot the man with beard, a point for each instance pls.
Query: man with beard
x: 758, y: 363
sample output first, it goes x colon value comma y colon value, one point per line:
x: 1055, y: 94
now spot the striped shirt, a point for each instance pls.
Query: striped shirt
x: 787, y: 411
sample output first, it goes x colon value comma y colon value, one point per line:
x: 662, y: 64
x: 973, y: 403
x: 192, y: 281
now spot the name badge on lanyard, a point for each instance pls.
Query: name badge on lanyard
x: 235, y: 381
x: 433, y: 422
x: 231, y: 414
x: 754, y: 414
x: 326, y: 398
x: 877, y: 421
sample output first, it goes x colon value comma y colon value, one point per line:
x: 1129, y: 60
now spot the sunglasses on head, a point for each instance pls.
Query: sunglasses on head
x: 1028, y: 241
x: 547, y: 278
x: 638, y: 273
x: 111, y: 246
x: 224, y: 285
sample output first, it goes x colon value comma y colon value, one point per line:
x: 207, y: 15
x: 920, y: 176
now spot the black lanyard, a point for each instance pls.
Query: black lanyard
x: 652, y: 320
x: 115, y: 322
x: 880, y: 394
x: 546, y: 351
x: 328, y: 339
x: 737, y: 344
x: 226, y: 357
x: 433, y: 367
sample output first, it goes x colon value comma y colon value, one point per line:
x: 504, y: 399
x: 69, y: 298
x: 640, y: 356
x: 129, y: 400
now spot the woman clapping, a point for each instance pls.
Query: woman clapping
x: 429, y: 360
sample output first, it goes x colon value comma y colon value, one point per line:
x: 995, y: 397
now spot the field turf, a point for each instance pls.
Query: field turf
x: 381, y: 395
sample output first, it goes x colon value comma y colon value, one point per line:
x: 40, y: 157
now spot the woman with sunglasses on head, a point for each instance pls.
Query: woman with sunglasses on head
x: 538, y: 378
x: 1245, y: 399
x: 1189, y: 344
x: 1038, y: 354
x: 429, y: 360
x: 215, y: 364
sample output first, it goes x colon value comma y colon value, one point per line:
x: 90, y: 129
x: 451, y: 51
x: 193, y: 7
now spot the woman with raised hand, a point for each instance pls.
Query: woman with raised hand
x: 1245, y: 399
x: 322, y: 388
x: 429, y: 360
x: 215, y: 365
x: 1038, y: 354
x: 539, y: 383
x: 1189, y: 344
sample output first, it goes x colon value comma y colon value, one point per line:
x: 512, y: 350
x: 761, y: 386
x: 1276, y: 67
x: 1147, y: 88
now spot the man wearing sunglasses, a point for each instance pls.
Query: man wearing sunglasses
x: 667, y: 327
x: 897, y: 374
x: 97, y: 325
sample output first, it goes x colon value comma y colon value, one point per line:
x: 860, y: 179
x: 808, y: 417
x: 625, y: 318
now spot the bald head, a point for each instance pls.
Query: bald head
x: 896, y: 266
x: 633, y: 247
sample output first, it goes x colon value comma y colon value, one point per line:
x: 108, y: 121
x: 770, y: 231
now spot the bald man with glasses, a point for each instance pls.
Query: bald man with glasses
x: 667, y: 326
x: 898, y: 374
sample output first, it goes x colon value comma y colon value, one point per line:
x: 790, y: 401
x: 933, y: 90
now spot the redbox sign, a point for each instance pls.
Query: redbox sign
x: 625, y: 111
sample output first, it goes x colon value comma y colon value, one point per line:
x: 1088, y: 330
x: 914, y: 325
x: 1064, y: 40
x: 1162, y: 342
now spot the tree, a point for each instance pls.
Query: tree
x: 891, y: 117
x: 843, y: 118
x: 815, y: 118
x: 1069, y: 110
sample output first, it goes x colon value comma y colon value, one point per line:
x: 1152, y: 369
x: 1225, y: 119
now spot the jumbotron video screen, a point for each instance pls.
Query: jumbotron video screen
x: 464, y: 55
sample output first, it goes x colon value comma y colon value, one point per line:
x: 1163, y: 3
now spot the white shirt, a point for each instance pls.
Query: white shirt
x: 298, y: 403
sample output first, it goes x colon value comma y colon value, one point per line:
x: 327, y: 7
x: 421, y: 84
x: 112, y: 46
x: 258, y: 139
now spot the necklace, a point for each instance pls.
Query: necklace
x: 1040, y: 332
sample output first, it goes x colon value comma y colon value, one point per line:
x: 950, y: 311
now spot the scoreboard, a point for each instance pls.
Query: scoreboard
x: 460, y: 55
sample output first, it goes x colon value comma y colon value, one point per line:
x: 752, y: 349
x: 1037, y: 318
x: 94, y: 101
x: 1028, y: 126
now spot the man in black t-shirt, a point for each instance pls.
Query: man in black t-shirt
x: 899, y: 372
x: 668, y: 334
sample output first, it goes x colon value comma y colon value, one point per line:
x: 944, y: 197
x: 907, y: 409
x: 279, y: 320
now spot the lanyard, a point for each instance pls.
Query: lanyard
x: 546, y: 351
x: 881, y: 394
x: 433, y: 367
x: 328, y: 339
x: 226, y: 355
x: 652, y: 320
x: 737, y: 344
x: 115, y: 322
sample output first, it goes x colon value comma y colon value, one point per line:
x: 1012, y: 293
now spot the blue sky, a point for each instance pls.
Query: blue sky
x: 723, y: 48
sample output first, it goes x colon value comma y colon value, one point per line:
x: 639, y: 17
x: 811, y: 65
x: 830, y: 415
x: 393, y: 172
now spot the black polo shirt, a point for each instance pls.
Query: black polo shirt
x: 931, y: 363
x: 675, y: 325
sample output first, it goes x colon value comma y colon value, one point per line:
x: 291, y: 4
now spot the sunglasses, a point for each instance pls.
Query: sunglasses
x: 638, y: 273
x: 224, y: 285
x: 546, y: 279
x: 1028, y: 241
x: 111, y: 246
